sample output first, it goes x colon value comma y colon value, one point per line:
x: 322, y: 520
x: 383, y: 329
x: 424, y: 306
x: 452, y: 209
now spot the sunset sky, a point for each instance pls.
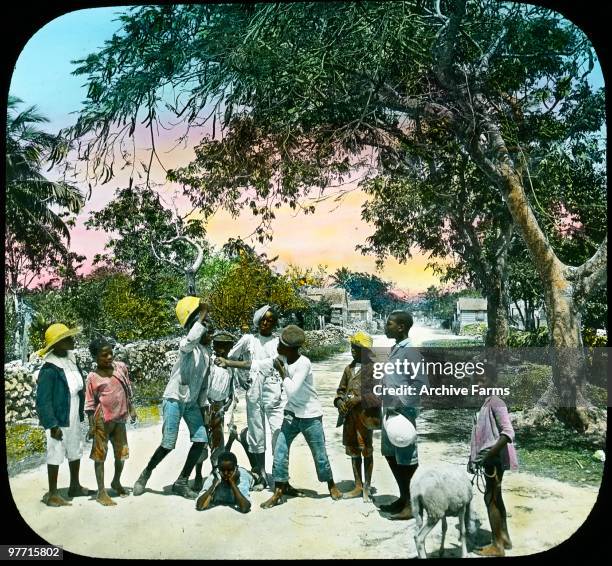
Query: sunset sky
x: 42, y: 77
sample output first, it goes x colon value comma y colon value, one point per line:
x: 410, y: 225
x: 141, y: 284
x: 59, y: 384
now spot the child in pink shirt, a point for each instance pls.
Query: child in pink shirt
x: 108, y: 403
x: 492, y: 450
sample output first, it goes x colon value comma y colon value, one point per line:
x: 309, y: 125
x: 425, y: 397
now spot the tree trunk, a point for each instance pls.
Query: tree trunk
x: 190, y: 278
x: 497, y: 314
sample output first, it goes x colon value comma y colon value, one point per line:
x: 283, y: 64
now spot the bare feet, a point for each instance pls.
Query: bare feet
x: 277, y: 499
x: 79, y: 491
x: 119, y: 489
x: 490, y: 550
x: 355, y: 492
x: 55, y: 500
x: 366, y: 495
x: 335, y: 493
x: 104, y: 499
x: 507, y: 543
x: 404, y: 515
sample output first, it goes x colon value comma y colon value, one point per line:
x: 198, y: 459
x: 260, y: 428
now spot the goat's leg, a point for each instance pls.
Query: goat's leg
x: 444, y: 527
x: 419, y: 539
x: 461, y: 517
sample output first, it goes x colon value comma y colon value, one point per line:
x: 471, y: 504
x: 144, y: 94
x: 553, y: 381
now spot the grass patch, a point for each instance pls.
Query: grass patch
x: 23, y: 440
x: 575, y: 466
x: 148, y: 393
x: 316, y: 353
x: 150, y: 414
x: 459, y: 343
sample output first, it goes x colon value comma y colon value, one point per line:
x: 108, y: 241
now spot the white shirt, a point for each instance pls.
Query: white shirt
x: 302, y: 398
x: 253, y: 347
x: 219, y: 382
x: 188, y: 380
x: 71, y: 370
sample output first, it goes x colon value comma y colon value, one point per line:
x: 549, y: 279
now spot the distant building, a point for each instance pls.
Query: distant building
x: 517, y: 315
x: 360, y: 311
x: 469, y: 310
x: 338, y: 298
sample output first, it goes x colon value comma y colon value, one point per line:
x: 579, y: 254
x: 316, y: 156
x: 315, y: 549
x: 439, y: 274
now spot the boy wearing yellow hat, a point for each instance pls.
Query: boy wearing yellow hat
x: 356, y: 436
x: 60, y: 401
x: 181, y: 400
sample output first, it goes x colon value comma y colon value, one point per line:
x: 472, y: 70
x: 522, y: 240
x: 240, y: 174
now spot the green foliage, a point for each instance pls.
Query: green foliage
x: 136, y: 316
x: 527, y: 383
x: 23, y: 440
x: 365, y: 286
x: 317, y: 353
x: 248, y: 284
x: 476, y: 329
x: 590, y: 338
x: 148, y: 240
x: 525, y: 339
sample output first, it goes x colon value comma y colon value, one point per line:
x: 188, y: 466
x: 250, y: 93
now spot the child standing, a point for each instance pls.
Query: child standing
x: 492, y: 451
x: 356, y: 436
x: 303, y: 412
x: 108, y: 402
x: 220, y: 394
x: 59, y: 403
x: 181, y: 399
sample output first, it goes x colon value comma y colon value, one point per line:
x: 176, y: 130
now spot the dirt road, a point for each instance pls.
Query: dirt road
x: 542, y: 512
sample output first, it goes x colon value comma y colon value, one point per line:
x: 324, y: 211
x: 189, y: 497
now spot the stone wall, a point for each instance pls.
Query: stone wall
x: 148, y: 360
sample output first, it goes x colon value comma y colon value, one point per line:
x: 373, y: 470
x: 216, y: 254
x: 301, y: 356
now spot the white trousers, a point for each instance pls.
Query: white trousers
x: 70, y: 446
x: 264, y: 399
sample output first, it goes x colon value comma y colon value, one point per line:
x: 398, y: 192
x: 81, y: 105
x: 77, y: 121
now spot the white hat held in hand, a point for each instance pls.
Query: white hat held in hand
x: 400, y: 430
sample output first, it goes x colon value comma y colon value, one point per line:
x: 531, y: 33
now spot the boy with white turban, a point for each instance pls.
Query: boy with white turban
x: 264, y: 396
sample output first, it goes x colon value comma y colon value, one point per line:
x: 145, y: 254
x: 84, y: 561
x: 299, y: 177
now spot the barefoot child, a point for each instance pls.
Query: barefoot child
x: 356, y: 436
x: 220, y: 394
x: 59, y: 404
x: 303, y: 413
x: 492, y: 451
x: 108, y: 402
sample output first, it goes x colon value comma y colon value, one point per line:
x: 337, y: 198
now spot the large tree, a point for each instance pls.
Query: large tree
x: 149, y: 238
x: 38, y: 214
x: 446, y: 211
x: 307, y: 93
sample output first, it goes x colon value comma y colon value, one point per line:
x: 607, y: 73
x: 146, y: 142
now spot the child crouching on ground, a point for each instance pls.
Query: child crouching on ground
x: 491, y: 453
x: 303, y: 412
x: 108, y: 402
x: 356, y: 436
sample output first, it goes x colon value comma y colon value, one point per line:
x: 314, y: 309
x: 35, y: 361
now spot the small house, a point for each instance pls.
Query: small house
x: 469, y: 310
x: 360, y: 311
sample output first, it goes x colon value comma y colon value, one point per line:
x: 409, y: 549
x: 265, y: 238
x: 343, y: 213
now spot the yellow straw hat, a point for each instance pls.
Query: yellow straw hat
x: 56, y: 333
x: 185, y: 308
x: 362, y: 339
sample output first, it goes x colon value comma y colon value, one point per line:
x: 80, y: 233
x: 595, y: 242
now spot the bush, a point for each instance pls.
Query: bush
x: 23, y: 440
x: 527, y: 383
x: 525, y: 339
x: 476, y: 329
x: 592, y: 340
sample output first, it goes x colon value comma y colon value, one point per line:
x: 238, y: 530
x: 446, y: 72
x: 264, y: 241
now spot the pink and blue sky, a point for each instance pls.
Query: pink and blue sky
x: 43, y: 77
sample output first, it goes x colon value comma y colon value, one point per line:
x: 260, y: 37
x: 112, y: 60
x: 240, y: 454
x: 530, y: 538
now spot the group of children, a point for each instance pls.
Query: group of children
x: 280, y: 388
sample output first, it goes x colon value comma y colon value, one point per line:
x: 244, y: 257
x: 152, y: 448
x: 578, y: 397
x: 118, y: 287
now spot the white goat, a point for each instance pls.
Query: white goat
x: 442, y: 491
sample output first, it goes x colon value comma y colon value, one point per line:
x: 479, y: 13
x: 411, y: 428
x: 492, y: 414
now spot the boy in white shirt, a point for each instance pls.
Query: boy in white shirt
x: 303, y: 412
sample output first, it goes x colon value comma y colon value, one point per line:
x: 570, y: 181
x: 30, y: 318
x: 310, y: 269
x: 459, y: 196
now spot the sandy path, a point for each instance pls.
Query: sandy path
x: 543, y: 512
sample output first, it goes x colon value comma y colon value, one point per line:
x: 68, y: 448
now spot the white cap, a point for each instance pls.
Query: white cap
x: 400, y: 430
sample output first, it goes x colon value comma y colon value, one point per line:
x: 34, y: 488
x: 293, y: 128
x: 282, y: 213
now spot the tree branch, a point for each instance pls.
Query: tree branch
x: 592, y: 273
